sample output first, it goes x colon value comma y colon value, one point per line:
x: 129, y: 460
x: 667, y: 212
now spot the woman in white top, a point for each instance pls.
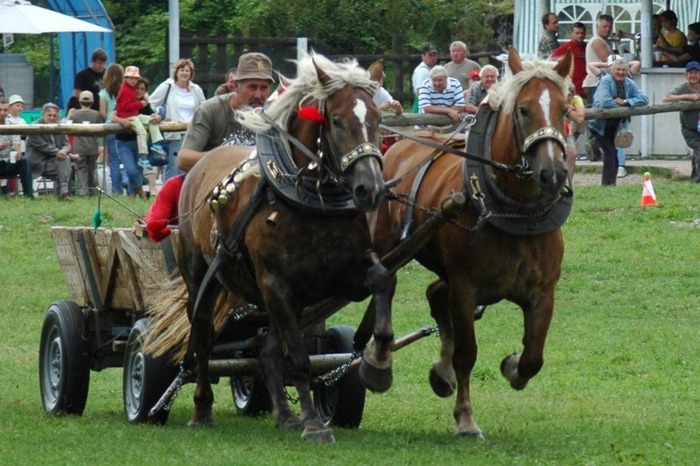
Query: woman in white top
x: 180, y: 97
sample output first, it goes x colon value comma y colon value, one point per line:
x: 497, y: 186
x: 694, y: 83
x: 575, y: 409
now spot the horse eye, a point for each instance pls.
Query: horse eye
x: 336, y: 121
x: 524, y: 111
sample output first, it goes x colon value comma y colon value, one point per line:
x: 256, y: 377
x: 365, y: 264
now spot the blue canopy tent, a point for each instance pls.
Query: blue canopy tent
x: 75, y: 48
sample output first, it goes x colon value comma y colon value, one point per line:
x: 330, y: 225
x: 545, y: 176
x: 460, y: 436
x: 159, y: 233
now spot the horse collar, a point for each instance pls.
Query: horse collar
x: 505, y: 213
x: 305, y: 192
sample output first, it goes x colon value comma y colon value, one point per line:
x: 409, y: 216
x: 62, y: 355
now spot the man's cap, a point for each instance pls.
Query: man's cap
x: 254, y: 66
x: 132, y: 72
x: 692, y: 65
x: 474, y: 74
x: 86, y: 96
x: 428, y: 48
x: 14, y: 98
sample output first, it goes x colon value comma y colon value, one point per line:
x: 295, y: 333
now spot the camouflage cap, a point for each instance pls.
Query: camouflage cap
x: 254, y: 66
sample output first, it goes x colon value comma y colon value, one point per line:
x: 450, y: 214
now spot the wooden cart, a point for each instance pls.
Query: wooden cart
x: 113, y: 277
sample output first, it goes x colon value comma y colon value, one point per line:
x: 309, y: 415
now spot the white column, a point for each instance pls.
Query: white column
x: 647, y: 44
x: 646, y: 58
x: 173, y: 33
x: 645, y: 142
x: 302, y: 47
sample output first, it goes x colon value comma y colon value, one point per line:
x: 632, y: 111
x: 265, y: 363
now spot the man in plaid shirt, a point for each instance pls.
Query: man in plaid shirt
x: 548, y: 42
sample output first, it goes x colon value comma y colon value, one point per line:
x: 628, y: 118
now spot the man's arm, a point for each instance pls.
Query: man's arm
x: 186, y: 158
x: 671, y: 97
x: 559, y: 51
x: 452, y: 112
x: 600, y: 49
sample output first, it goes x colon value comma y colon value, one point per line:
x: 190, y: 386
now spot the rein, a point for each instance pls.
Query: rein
x: 297, y: 143
x: 450, y: 150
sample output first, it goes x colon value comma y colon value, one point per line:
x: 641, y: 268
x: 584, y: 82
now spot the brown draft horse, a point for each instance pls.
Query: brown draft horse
x: 287, y: 228
x: 503, y: 245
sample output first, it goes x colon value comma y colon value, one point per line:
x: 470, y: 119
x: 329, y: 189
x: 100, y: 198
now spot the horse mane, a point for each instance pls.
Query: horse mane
x: 307, y: 87
x: 502, y: 96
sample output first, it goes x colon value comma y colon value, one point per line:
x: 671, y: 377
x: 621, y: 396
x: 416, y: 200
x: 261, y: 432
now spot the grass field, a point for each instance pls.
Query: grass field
x: 619, y: 384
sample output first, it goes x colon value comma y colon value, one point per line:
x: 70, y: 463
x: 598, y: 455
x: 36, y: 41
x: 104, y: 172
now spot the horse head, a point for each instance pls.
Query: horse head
x: 530, y: 131
x: 343, y: 126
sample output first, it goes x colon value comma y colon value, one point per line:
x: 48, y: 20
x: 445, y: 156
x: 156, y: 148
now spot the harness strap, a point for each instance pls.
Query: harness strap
x: 413, y: 194
x: 229, y: 243
x: 297, y: 143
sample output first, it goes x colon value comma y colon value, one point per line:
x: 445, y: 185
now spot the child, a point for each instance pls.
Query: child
x: 87, y: 147
x: 128, y: 106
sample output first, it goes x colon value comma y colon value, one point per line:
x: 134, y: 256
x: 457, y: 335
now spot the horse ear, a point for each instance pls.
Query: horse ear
x: 565, y: 65
x: 376, y: 70
x: 322, y: 76
x: 514, y: 63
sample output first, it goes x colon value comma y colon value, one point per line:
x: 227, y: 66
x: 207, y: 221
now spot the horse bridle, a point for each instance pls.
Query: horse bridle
x: 347, y: 160
x: 521, y: 170
x: 545, y: 133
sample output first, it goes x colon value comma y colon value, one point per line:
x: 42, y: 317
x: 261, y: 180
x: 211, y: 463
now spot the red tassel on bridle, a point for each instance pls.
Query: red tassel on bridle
x: 311, y: 113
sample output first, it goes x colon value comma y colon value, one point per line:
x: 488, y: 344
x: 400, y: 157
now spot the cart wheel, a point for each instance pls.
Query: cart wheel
x: 250, y: 396
x: 343, y: 403
x: 64, y: 365
x: 145, y: 378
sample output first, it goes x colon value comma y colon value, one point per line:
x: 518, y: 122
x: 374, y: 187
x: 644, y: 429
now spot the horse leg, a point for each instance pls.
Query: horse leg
x: 273, y: 369
x: 375, y: 367
x: 461, y: 305
x: 291, y: 347
x: 519, y: 369
x: 442, y: 374
x: 201, y: 337
x: 300, y: 373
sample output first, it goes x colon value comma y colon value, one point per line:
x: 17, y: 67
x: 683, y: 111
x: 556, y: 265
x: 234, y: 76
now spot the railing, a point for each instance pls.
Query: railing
x: 406, y: 119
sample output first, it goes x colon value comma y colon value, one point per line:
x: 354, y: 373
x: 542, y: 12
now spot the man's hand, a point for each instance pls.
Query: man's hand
x: 454, y: 116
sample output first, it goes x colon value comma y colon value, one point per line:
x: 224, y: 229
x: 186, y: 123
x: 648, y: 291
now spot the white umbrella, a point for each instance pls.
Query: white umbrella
x: 21, y: 17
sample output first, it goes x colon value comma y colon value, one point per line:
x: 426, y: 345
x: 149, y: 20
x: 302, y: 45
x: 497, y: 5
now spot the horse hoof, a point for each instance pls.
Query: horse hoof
x: 509, y: 369
x: 376, y: 379
x: 318, y: 435
x: 441, y: 387
x: 474, y: 435
x: 195, y: 422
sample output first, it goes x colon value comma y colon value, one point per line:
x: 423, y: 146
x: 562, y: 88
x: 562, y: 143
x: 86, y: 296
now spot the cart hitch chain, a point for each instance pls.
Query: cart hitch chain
x: 336, y: 374
x: 166, y: 401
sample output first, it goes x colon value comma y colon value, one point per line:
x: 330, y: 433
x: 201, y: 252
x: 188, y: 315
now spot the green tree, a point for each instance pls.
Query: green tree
x: 343, y: 26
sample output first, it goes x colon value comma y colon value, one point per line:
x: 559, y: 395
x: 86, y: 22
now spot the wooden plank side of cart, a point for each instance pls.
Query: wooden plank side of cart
x: 111, y: 268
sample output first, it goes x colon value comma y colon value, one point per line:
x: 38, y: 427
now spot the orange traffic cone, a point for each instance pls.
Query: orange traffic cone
x: 648, y: 194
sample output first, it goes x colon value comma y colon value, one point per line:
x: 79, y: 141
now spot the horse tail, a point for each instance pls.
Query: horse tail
x: 169, y: 327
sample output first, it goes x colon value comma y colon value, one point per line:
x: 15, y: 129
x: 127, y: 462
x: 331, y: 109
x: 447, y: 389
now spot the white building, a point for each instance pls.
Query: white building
x: 655, y: 134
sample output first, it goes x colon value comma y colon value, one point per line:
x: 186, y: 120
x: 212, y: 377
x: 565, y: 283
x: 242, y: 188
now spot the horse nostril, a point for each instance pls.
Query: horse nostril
x: 366, y: 199
x: 361, y: 194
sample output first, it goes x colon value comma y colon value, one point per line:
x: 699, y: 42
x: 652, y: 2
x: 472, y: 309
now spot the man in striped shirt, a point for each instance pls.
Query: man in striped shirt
x: 441, y: 94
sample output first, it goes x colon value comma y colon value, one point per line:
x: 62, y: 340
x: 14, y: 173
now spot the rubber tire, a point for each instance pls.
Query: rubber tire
x: 64, y: 363
x: 145, y: 379
x: 250, y: 396
x: 342, y: 404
